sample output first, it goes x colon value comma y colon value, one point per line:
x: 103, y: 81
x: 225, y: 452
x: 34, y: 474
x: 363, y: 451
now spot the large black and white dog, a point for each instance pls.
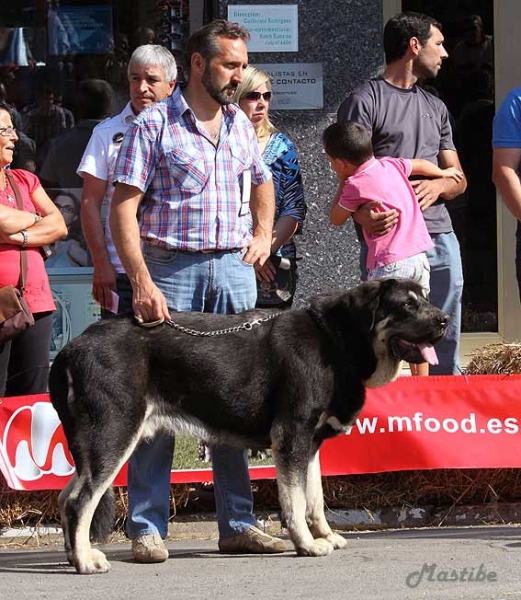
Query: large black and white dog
x: 288, y: 382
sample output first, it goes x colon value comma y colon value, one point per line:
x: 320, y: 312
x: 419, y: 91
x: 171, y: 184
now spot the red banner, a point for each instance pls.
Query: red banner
x: 413, y: 423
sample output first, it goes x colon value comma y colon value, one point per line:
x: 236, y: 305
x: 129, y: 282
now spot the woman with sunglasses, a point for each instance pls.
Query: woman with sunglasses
x: 254, y: 96
x: 24, y: 360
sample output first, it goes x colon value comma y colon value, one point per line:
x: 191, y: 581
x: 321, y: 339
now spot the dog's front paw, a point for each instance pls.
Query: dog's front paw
x: 319, y: 547
x: 336, y: 540
x: 96, y: 562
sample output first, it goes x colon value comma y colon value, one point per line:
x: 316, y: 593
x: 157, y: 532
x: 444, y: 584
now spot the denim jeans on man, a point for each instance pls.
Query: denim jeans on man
x: 218, y: 283
x: 446, y: 293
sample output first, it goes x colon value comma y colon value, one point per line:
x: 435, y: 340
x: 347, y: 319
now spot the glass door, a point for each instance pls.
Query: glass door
x: 466, y: 85
x: 501, y: 21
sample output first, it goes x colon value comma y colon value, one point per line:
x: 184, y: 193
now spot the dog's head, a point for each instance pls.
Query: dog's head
x: 393, y: 317
x: 405, y: 321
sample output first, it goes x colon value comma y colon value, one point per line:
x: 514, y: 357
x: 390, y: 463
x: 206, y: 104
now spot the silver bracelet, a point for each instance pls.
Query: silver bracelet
x: 37, y: 218
x: 25, y: 236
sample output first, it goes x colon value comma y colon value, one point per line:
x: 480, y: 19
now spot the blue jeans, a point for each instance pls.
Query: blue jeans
x: 446, y: 293
x: 218, y: 283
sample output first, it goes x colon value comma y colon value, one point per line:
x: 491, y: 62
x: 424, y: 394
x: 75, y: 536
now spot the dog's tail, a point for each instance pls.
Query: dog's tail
x: 104, y: 517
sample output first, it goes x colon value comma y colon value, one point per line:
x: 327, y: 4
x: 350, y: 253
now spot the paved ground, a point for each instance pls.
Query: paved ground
x: 446, y: 563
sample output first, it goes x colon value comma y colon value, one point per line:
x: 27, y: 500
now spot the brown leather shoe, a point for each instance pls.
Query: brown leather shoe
x: 149, y: 549
x: 252, y: 541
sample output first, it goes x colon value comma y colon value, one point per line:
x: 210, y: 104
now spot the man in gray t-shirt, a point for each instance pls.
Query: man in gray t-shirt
x: 406, y: 121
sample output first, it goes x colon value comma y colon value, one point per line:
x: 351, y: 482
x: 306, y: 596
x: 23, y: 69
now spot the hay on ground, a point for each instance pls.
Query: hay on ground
x: 495, y: 359
x: 437, y: 488
x: 34, y: 509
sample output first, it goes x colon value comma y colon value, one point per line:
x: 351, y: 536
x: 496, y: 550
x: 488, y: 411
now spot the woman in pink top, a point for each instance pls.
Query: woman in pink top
x: 384, y: 182
x: 24, y: 360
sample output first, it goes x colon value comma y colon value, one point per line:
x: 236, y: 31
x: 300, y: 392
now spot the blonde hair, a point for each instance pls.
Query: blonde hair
x: 253, y: 78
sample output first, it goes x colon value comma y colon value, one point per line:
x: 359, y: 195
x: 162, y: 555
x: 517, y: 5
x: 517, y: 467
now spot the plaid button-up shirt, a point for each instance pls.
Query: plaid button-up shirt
x: 196, y: 193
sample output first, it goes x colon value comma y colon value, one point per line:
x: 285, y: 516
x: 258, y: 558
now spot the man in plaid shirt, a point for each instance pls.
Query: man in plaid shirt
x: 189, y: 173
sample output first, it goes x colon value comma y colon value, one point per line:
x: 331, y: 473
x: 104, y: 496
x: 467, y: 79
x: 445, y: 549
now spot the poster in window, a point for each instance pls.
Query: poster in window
x: 76, y: 30
x: 71, y: 251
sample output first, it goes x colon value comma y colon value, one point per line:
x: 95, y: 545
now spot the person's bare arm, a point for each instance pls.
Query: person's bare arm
x: 48, y: 229
x: 12, y: 220
x: 262, y: 206
x: 420, y: 166
x: 104, y: 278
x: 429, y: 190
x: 77, y: 253
x: 337, y: 214
x: 283, y: 231
x: 375, y: 221
x: 148, y: 302
x: 505, y: 164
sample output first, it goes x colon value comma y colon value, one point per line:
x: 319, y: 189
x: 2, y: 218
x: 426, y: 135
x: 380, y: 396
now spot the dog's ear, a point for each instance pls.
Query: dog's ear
x: 366, y: 299
x: 324, y: 301
x: 360, y: 302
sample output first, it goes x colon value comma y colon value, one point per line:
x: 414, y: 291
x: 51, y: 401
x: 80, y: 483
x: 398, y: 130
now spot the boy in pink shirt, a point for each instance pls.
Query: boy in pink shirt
x: 362, y: 178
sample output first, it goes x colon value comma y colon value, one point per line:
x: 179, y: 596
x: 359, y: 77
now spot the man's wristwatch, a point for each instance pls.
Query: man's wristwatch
x: 25, y: 236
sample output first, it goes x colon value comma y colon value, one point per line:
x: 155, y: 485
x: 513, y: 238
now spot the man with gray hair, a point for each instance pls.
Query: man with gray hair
x: 152, y: 73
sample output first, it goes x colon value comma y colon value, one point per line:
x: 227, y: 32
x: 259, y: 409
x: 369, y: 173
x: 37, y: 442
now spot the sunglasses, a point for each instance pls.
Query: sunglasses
x: 256, y: 96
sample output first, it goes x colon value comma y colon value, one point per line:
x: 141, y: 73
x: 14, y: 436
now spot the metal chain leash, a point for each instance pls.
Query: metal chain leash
x: 248, y: 326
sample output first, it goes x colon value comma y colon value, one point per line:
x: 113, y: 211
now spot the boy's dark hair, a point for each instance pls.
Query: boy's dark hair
x: 349, y: 141
x: 205, y: 40
x: 401, y: 28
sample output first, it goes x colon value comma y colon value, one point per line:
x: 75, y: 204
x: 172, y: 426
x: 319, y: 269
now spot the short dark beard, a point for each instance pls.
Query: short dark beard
x: 423, y: 72
x: 219, y: 96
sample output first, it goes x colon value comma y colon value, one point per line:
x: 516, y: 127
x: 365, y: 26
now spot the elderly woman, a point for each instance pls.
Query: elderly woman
x: 24, y: 360
x: 254, y: 96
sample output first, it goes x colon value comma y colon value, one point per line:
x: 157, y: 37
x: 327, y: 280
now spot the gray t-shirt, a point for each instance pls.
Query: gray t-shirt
x: 404, y: 123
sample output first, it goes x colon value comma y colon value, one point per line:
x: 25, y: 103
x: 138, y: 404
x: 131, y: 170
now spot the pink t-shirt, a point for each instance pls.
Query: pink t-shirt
x: 37, y: 289
x: 386, y: 180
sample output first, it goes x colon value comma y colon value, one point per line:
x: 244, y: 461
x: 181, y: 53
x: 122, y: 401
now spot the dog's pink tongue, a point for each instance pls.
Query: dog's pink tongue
x: 428, y: 353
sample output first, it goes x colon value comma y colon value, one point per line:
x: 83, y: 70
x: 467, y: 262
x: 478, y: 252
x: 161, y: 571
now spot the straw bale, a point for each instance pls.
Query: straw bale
x: 495, y: 359
x: 33, y: 509
x: 438, y: 488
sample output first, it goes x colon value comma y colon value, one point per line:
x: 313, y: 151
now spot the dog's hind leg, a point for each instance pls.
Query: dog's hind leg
x: 62, y: 497
x: 78, y: 510
x: 315, y: 516
x: 291, y: 481
x: 90, y: 488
